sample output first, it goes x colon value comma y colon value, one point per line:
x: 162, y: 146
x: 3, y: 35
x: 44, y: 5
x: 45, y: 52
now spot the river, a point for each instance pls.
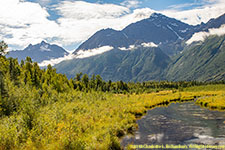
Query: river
x: 179, y: 123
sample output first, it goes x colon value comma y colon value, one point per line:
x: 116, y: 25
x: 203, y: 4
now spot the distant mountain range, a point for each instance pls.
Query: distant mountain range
x: 39, y: 52
x: 158, y: 29
x: 150, y: 49
x: 133, y: 58
x: 167, y: 33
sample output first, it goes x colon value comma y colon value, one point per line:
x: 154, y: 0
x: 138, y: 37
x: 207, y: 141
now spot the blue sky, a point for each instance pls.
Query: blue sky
x: 153, y: 4
x: 70, y: 22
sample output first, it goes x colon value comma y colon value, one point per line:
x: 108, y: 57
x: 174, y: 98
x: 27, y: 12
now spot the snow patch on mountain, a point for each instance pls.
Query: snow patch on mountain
x: 45, y: 48
x: 174, y: 24
x: 183, y: 31
x: 175, y: 32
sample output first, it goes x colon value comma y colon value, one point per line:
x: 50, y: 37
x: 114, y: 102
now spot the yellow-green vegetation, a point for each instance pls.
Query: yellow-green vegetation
x: 211, y: 96
x: 40, y: 109
x: 79, y: 120
x: 214, y: 102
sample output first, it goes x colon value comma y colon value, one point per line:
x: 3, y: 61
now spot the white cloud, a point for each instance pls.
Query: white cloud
x: 80, y: 19
x: 20, y: 14
x: 22, y: 23
x: 201, y: 14
x: 131, y: 47
x: 43, y: 2
x: 55, y: 61
x: 80, y: 10
x: 131, y: 3
x: 80, y: 54
x: 200, y: 36
x: 150, y: 44
x: 181, y: 6
x: 93, y: 52
x: 134, y: 47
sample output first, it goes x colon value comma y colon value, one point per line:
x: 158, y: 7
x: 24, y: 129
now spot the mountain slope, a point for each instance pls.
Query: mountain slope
x: 39, y: 52
x: 134, y: 65
x: 158, y: 29
x: 213, y: 23
x: 203, y: 61
x: 106, y: 37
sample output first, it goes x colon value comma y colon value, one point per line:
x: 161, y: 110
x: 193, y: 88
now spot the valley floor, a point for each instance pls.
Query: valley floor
x: 91, y: 120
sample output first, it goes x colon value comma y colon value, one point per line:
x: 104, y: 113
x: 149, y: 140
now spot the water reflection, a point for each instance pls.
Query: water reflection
x: 178, y: 123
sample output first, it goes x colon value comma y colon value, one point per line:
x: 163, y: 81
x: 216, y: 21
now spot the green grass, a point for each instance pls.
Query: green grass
x: 218, y: 87
x: 78, y: 120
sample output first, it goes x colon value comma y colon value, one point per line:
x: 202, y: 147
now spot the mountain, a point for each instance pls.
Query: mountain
x: 158, y: 29
x: 142, y: 64
x: 39, y: 52
x: 204, y: 62
x: 106, y: 37
x: 152, y: 49
x: 213, y: 23
x: 168, y: 33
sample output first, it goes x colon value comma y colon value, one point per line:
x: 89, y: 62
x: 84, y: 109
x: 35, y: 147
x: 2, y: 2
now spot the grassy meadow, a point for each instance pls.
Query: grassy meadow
x: 91, y: 120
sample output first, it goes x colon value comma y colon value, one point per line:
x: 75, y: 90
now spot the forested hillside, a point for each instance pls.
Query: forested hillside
x: 142, y: 64
x: 201, y: 61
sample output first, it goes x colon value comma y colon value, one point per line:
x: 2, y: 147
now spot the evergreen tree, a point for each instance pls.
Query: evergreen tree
x: 92, y: 82
x: 85, y: 81
x: 98, y: 82
x: 14, y: 70
x: 78, y: 77
x: 3, y: 91
x: 3, y: 69
x: 3, y: 47
x: 36, y: 75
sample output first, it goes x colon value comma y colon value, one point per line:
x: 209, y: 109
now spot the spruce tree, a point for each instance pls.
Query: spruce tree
x: 3, y: 47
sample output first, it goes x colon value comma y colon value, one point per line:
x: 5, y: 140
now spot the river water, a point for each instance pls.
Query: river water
x: 179, y: 123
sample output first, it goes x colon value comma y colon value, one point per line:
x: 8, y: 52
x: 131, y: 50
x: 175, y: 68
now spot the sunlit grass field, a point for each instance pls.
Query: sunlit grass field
x: 93, y: 120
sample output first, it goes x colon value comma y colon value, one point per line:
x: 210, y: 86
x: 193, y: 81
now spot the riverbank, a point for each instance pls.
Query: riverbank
x: 79, y: 120
x: 180, y: 124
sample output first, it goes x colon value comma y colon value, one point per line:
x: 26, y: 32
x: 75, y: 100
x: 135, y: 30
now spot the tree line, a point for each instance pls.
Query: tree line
x: 29, y: 73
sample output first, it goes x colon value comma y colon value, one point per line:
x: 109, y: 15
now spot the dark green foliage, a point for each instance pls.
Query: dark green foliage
x: 142, y: 64
x: 203, y: 62
x: 2, y: 86
x: 14, y: 70
x: 3, y: 47
x: 78, y: 76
